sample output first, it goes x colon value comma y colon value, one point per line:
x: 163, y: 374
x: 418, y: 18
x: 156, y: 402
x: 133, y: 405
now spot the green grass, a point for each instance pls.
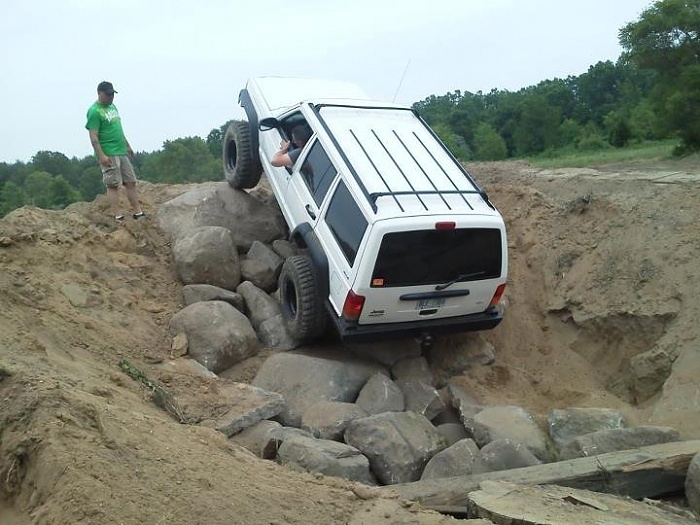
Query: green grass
x: 661, y: 150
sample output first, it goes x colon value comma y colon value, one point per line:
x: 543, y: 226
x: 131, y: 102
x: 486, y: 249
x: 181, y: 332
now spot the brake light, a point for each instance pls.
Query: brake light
x: 497, y: 296
x: 446, y: 225
x: 352, y: 308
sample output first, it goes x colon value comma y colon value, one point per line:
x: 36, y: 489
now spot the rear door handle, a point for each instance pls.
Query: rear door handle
x: 311, y: 212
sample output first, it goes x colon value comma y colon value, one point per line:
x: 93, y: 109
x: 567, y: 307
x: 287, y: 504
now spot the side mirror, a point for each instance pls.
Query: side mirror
x: 269, y: 123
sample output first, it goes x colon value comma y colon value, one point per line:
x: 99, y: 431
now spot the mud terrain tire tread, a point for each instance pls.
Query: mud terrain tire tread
x: 301, y: 303
x: 242, y: 167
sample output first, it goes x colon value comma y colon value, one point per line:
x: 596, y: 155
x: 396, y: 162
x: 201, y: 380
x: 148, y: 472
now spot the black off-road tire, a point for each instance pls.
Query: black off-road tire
x: 302, y: 305
x: 242, y: 167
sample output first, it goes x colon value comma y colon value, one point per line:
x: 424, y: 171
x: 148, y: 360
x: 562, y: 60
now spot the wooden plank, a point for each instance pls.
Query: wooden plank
x: 508, y: 504
x: 639, y: 473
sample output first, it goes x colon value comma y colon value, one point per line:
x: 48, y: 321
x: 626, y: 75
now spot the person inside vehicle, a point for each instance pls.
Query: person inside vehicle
x: 291, y: 149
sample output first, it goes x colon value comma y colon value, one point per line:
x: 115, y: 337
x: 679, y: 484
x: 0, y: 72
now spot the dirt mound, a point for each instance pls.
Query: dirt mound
x: 599, y: 266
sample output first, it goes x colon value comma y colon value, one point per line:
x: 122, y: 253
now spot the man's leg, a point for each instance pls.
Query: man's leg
x: 133, y: 196
x: 113, y: 199
x: 129, y: 177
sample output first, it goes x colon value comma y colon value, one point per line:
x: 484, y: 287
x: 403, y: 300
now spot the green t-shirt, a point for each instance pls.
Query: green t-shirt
x: 106, y: 120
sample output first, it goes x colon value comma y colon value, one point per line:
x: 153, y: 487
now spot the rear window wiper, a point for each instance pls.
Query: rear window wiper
x: 460, y: 277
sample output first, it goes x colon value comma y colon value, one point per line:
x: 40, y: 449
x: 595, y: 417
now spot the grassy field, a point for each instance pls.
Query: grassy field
x: 662, y: 150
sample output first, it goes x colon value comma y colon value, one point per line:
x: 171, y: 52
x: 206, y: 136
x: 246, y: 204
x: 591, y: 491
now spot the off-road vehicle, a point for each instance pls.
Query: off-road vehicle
x: 398, y: 238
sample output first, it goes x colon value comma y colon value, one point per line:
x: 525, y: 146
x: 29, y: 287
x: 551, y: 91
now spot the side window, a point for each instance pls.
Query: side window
x: 346, y: 222
x: 318, y: 172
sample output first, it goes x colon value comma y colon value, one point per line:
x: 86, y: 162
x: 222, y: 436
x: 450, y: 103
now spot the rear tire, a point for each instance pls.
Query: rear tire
x: 242, y: 167
x: 301, y: 304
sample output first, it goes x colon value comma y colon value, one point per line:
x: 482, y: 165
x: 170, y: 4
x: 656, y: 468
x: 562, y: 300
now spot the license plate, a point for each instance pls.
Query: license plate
x: 425, y: 304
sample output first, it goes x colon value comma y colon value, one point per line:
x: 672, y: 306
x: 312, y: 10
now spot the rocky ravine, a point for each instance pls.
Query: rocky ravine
x: 81, y: 297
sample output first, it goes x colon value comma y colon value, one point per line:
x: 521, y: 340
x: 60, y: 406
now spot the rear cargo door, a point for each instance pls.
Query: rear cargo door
x: 442, y: 270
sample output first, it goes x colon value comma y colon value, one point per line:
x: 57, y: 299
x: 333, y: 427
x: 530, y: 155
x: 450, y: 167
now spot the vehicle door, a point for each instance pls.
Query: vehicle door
x: 312, y: 176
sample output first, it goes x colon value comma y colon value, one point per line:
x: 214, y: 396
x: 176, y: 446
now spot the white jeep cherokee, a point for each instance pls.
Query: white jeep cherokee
x: 399, y: 238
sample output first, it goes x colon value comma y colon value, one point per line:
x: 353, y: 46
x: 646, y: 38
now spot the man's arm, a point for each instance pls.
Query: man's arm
x: 281, y: 158
x: 95, y: 141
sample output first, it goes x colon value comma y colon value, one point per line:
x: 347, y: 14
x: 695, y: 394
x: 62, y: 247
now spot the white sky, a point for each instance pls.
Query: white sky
x: 178, y: 65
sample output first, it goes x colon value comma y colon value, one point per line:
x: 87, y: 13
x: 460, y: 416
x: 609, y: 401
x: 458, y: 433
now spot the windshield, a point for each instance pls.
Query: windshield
x: 437, y: 257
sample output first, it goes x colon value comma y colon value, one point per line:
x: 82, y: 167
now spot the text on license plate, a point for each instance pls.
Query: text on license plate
x: 430, y: 303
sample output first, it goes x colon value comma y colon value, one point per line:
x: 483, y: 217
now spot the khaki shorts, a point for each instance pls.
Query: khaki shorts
x: 120, y: 172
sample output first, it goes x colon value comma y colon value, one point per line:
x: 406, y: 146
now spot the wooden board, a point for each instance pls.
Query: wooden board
x: 639, y: 473
x: 509, y: 504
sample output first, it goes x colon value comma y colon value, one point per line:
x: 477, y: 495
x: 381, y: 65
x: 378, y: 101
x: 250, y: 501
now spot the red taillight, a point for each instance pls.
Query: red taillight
x: 447, y: 225
x: 353, y: 306
x: 497, y: 296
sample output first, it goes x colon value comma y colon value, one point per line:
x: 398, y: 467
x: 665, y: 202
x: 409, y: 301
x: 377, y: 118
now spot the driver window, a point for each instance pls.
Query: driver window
x: 318, y: 172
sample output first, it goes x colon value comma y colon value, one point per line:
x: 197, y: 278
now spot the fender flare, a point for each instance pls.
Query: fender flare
x: 305, y: 232
x: 247, y: 104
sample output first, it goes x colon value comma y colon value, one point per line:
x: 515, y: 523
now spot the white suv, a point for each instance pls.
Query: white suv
x: 399, y: 238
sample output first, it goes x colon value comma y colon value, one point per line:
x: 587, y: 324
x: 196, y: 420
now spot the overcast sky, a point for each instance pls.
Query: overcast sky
x: 178, y: 65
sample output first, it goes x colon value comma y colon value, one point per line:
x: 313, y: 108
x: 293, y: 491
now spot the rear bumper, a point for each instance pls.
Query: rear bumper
x: 353, y: 332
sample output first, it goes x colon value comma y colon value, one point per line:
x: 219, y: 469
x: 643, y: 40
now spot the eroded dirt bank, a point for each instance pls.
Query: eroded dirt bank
x: 602, y: 268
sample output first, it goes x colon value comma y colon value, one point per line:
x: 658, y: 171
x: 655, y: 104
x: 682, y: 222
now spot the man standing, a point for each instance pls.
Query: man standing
x: 113, y: 151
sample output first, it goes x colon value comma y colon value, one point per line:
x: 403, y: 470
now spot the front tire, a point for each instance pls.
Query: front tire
x: 242, y: 167
x: 301, y: 302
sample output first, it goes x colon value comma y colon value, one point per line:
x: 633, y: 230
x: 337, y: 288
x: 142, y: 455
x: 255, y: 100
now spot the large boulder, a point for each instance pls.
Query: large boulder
x: 509, y: 422
x: 614, y: 439
x: 398, y: 444
x: 456, y: 460
x: 380, y: 394
x: 325, y: 457
x: 208, y: 255
x: 305, y: 378
x: 217, y: 204
x: 566, y: 424
x: 503, y: 454
x: 218, y: 335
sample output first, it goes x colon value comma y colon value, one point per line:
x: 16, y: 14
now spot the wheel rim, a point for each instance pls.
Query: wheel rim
x: 231, y: 155
x: 290, y: 298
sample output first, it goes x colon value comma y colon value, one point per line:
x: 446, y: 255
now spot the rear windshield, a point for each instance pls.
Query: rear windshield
x: 438, y: 256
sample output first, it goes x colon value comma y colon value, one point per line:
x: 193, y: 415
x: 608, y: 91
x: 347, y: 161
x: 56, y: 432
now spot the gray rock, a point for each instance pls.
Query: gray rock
x: 387, y: 353
x: 208, y: 256
x: 503, y: 454
x: 565, y: 425
x: 467, y: 351
x: 413, y: 368
x: 614, y: 439
x: 509, y: 422
x: 692, y: 485
x: 266, y: 256
x: 306, y: 378
x: 218, y: 335
x: 194, y: 293
x: 329, y: 419
x: 217, y: 204
x: 398, y: 444
x: 325, y: 457
x: 285, y: 249
x: 452, y: 432
x: 421, y: 398
x: 239, y: 406
x: 466, y: 404
x: 260, y: 439
x: 258, y: 274
x: 260, y: 306
x: 456, y: 460
x: 380, y: 394
x: 648, y: 373
x: 273, y: 333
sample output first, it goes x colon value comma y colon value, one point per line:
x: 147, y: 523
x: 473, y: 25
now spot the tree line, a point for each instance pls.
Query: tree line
x: 652, y: 92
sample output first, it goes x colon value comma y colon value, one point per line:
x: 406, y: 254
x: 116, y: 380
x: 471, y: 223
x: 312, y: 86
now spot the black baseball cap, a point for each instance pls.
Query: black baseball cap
x: 105, y: 87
